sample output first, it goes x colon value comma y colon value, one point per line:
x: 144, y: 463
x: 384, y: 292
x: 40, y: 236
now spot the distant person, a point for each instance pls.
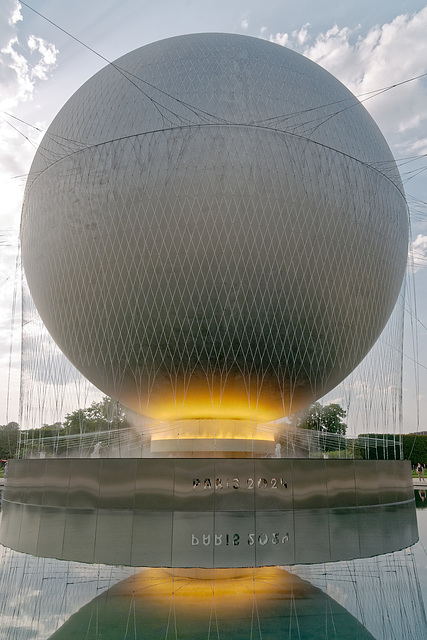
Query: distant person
x: 422, y: 494
x: 420, y: 471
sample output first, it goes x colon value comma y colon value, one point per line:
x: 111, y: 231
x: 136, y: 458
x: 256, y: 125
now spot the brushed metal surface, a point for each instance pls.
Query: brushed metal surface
x: 309, y: 484
x: 341, y: 483
x: 117, y: 484
x: 208, y: 512
x: 154, y: 485
x: 56, y: 481
x: 83, y: 491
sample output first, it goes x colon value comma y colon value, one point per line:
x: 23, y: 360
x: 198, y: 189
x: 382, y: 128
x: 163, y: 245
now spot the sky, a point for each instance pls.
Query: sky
x: 369, y: 46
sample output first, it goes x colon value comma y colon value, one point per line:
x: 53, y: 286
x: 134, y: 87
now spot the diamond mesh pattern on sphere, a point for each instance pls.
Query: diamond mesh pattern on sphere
x: 214, y: 227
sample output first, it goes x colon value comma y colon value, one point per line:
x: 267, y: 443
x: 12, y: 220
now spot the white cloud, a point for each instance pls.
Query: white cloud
x: 20, y: 71
x: 419, y: 146
x: 24, y: 63
x: 16, y: 15
x: 295, y: 40
x: 244, y: 24
x: 281, y: 38
x: 418, y: 253
x: 47, y: 59
x: 22, y: 66
x: 302, y: 35
x: 385, y: 56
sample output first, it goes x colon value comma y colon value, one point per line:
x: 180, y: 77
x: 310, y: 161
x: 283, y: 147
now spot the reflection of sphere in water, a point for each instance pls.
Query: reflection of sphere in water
x: 209, y: 231
x: 261, y: 603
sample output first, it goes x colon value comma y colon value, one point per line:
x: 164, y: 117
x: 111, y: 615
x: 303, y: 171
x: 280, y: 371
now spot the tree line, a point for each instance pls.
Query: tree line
x: 386, y: 446
x: 99, y: 416
x: 326, y: 420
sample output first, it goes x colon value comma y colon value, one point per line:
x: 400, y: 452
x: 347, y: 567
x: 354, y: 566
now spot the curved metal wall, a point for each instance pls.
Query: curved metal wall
x: 206, y: 512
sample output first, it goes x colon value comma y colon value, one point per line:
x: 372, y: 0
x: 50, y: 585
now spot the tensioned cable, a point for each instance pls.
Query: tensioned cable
x: 196, y: 111
x: 82, y: 146
x: 369, y: 94
x: 237, y: 125
x: 102, y: 56
x: 414, y: 334
x: 119, y: 69
x: 12, y: 330
x: 375, y: 93
x: 33, y: 144
x: 414, y: 360
x: 411, y: 312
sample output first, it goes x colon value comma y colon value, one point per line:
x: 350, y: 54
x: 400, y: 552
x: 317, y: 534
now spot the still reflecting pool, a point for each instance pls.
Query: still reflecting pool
x: 380, y: 597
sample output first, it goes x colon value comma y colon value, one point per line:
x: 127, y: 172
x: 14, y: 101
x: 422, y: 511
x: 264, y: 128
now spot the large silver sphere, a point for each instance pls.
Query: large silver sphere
x: 214, y: 227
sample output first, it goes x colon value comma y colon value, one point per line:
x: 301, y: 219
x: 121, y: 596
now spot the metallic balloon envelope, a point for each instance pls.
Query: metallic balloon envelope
x: 214, y: 227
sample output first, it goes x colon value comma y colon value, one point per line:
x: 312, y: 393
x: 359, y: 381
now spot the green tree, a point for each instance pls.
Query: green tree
x: 9, y: 436
x: 327, y: 419
x: 310, y: 418
x: 332, y: 419
x: 329, y: 423
x: 44, y: 438
x: 415, y: 448
x: 100, y: 416
x: 379, y: 446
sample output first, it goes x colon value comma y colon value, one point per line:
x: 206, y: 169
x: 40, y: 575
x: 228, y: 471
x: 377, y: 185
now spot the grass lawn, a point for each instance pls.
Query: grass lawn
x: 415, y: 474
